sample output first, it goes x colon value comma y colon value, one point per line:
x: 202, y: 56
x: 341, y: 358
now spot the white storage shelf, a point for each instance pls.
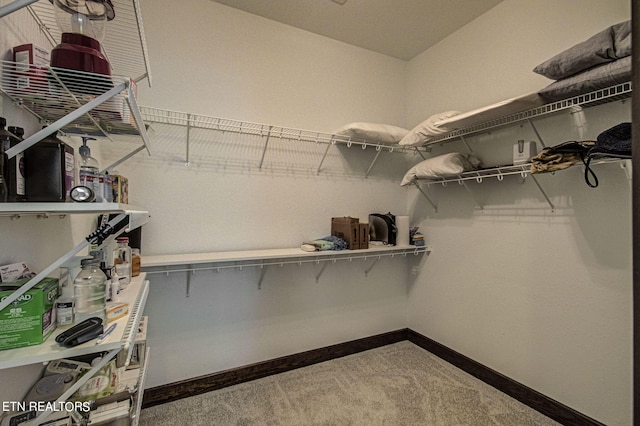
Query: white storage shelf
x: 122, y: 337
x: 28, y: 208
x: 232, y: 259
x: 597, y: 97
x: 262, y: 259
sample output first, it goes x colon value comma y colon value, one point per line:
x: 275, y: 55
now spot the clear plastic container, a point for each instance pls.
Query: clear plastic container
x: 89, y: 292
x: 122, y: 261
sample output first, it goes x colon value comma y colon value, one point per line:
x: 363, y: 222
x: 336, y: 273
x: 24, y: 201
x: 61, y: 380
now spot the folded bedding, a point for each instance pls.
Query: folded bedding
x: 425, y: 131
x: 600, y: 77
x: 374, y: 132
x: 608, y: 45
x: 451, y: 164
x: 494, y: 111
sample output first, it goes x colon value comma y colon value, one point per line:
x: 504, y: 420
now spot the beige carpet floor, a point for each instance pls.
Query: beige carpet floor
x: 399, y: 384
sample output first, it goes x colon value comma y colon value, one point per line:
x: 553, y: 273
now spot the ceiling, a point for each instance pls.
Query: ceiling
x: 398, y: 28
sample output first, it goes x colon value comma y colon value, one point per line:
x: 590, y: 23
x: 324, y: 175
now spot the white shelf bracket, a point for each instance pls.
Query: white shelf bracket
x: 264, y: 150
x: 324, y: 156
x: 366, y: 272
x: 463, y: 183
x: 466, y: 144
x: 535, y: 130
x: 135, y: 111
x: 190, y: 272
x: 553, y: 208
x: 435, y: 207
x: 187, y: 159
x: 378, y: 151
x: 263, y: 271
x: 319, y: 274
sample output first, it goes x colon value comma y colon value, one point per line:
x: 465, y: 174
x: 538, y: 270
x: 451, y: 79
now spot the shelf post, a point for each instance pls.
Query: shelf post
x: 379, y: 150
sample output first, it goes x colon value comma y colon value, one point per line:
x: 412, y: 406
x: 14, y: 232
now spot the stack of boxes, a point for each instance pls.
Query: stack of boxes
x: 350, y: 229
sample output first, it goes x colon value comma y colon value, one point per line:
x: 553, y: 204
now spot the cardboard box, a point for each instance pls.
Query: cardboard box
x: 120, y: 189
x: 31, y: 318
x: 31, y: 67
x: 347, y: 229
x: 363, y: 235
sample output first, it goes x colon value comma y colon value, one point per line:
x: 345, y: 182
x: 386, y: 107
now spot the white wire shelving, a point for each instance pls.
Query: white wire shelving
x: 124, y: 44
x: 215, y: 128
x: 597, y: 97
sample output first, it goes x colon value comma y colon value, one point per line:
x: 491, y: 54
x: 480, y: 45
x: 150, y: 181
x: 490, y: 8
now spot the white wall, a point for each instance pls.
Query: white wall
x: 213, y: 60
x: 542, y: 297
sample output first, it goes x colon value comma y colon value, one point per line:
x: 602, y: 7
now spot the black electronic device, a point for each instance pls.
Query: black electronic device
x: 80, y: 333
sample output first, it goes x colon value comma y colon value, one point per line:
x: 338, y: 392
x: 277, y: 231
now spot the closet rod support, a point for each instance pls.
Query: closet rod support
x: 319, y: 274
x: 366, y: 272
x: 187, y: 158
x: 324, y: 156
x: 373, y: 162
x: 264, y: 150
x: 435, y: 207
x: 535, y: 130
x: 463, y: 183
x: 263, y: 271
x: 553, y: 208
x: 466, y: 144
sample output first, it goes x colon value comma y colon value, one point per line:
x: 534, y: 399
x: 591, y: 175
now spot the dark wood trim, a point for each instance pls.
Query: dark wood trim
x: 190, y: 387
x: 635, y: 203
x: 185, y: 388
x: 539, y: 402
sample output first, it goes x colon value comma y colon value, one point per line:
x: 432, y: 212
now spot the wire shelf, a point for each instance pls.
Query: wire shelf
x: 598, y: 97
x: 52, y: 93
x: 226, y: 125
x: 124, y: 44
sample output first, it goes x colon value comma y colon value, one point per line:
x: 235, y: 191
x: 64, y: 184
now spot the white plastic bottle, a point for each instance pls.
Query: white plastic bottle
x: 89, y: 292
x: 122, y: 261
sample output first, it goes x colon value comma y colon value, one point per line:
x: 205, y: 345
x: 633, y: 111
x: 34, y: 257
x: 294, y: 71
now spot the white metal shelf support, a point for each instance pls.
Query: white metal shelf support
x: 435, y: 207
x: 14, y: 6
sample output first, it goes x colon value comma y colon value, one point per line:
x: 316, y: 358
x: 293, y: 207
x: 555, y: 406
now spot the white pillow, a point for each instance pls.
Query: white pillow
x: 443, y: 165
x: 424, y: 131
x: 374, y: 132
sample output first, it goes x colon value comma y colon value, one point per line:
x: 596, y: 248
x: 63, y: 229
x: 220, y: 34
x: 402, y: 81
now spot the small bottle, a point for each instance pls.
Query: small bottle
x: 89, y: 170
x: 122, y: 261
x: 115, y: 285
x: 89, y: 292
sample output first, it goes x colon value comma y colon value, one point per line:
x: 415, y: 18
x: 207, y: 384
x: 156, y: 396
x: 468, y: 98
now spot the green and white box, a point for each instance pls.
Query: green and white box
x: 31, y: 318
